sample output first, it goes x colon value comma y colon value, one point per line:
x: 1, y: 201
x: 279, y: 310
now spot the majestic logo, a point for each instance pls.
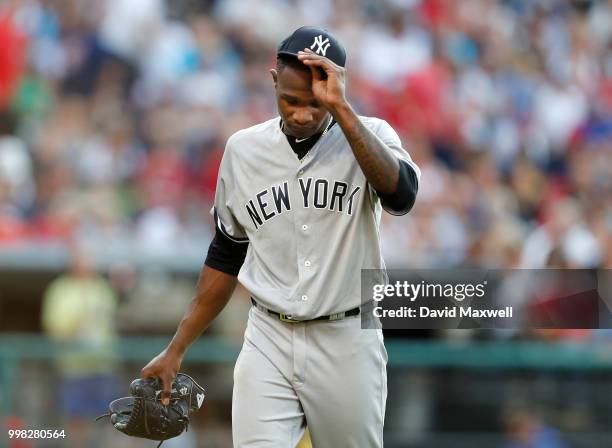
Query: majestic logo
x: 183, y: 391
x: 322, y: 45
x: 200, y: 398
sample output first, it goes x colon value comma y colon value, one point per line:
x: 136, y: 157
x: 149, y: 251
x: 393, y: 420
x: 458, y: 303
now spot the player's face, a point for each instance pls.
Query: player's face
x: 302, y: 115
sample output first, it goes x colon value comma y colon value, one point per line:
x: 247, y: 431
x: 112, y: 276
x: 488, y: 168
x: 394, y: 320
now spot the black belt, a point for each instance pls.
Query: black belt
x: 291, y: 320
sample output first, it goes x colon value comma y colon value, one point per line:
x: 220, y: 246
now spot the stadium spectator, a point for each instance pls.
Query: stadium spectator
x: 79, y: 313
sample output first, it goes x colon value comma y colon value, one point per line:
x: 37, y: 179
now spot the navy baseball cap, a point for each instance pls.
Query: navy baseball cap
x: 320, y: 41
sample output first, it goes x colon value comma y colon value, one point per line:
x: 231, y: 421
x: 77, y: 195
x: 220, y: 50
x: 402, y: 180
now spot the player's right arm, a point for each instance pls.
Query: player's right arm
x: 215, y: 286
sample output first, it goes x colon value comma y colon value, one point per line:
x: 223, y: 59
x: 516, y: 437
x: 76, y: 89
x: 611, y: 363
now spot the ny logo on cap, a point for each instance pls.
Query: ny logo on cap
x: 322, y: 45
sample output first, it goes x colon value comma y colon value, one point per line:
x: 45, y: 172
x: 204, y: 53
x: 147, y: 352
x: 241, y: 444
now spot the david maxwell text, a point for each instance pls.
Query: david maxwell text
x: 446, y: 312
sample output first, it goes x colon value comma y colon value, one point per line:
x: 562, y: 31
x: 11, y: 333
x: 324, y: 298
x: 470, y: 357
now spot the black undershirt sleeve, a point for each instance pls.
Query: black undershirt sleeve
x: 400, y: 202
x: 226, y: 255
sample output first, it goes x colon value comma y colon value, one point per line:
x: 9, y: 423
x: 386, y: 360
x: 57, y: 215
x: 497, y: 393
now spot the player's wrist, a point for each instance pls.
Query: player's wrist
x: 176, y: 349
x: 342, y: 111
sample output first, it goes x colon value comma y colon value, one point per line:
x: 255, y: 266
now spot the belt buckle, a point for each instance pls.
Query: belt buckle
x: 287, y: 318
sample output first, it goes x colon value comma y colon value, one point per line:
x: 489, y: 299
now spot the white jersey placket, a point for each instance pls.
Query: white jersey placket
x: 303, y: 231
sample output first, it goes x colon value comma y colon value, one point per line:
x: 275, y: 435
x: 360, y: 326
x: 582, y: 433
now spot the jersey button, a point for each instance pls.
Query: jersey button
x: 304, y: 227
x: 304, y: 298
x: 307, y: 263
x: 301, y: 172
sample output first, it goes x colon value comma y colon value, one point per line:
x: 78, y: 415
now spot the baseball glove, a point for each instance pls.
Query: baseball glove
x: 143, y: 414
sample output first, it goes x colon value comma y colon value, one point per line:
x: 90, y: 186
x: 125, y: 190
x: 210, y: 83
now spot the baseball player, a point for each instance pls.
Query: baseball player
x: 297, y: 208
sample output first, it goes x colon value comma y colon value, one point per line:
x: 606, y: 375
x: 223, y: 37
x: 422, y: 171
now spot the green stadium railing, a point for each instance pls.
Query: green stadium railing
x: 435, y: 354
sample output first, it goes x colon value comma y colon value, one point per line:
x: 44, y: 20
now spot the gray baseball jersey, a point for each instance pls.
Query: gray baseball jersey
x: 312, y: 224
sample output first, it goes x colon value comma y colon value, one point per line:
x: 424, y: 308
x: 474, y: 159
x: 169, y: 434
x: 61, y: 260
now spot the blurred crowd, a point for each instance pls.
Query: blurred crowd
x: 115, y: 114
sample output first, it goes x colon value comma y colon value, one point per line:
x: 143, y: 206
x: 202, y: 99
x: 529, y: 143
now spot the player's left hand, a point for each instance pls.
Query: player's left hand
x: 328, y: 90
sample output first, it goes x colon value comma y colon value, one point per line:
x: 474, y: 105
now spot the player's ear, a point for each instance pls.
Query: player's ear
x: 274, y: 74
